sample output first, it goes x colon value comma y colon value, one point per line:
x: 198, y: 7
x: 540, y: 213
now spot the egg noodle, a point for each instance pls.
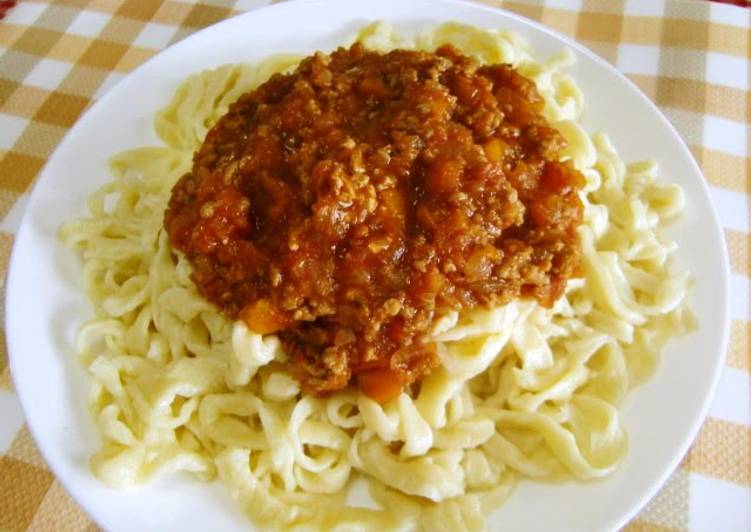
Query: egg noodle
x: 522, y: 391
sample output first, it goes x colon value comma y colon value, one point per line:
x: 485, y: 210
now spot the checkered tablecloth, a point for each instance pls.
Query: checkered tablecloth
x: 690, y: 57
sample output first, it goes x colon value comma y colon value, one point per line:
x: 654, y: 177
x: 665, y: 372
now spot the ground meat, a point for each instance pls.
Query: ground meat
x: 347, y: 205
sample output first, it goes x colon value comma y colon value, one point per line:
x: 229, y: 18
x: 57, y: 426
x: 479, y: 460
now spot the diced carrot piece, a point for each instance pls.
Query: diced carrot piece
x: 381, y: 384
x: 263, y: 317
x: 444, y: 176
x: 439, y: 105
x: 393, y: 201
x: 494, y: 150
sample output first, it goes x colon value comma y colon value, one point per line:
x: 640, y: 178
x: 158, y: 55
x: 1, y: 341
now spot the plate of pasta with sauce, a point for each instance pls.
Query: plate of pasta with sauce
x: 368, y: 266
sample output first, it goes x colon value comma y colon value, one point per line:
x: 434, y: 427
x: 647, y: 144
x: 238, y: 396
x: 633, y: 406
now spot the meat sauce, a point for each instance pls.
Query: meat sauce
x: 347, y: 205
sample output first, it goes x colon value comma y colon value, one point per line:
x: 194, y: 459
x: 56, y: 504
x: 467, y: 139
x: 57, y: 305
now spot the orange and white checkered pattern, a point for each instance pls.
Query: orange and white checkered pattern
x: 690, y: 57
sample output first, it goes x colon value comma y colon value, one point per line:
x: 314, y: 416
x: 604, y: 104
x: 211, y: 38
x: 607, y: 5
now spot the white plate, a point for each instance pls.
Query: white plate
x: 45, y: 302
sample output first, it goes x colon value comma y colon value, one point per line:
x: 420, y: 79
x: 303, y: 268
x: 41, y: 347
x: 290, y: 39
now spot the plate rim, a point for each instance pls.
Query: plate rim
x: 666, y: 469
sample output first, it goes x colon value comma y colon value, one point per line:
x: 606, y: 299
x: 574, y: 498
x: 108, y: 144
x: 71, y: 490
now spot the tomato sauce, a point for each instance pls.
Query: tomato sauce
x: 347, y: 205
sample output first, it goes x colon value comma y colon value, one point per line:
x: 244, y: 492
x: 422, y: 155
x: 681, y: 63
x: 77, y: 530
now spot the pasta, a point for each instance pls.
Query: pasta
x: 522, y: 391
